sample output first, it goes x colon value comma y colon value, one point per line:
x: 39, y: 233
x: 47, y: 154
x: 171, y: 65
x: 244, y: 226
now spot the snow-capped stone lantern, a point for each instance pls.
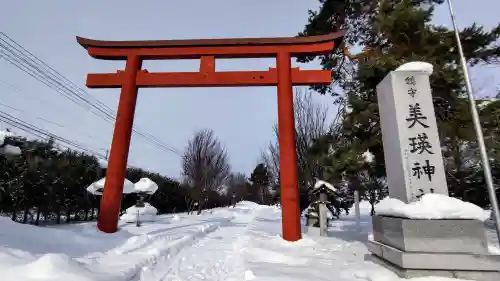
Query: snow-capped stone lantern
x: 317, y: 214
x: 9, y: 144
x: 142, y: 211
x: 97, y: 188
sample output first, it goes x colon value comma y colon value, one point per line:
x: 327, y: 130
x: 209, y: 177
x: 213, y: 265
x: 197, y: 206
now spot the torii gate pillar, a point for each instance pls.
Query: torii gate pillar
x: 289, y: 188
x: 207, y: 50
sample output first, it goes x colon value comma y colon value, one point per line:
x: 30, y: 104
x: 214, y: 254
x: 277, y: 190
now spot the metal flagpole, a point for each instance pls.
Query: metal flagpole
x: 477, y: 127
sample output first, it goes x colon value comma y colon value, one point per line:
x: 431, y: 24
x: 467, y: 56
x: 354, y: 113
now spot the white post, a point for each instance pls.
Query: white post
x: 323, y: 225
x: 356, y: 209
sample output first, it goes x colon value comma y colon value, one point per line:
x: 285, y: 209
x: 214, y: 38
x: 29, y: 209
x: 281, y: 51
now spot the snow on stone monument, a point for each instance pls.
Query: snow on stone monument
x: 416, y: 233
x: 412, y: 150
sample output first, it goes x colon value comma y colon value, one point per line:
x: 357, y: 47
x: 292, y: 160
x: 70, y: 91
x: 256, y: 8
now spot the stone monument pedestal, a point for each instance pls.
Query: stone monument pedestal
x: 448, y: 248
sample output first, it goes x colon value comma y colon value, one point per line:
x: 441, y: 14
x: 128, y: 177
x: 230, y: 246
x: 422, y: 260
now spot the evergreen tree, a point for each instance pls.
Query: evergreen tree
x: 392, y: 33
x: 236, y: 187
x: 46, y: 185
x: 260, y: 182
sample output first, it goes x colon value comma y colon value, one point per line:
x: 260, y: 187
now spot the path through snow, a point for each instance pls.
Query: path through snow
x: 216, y: 257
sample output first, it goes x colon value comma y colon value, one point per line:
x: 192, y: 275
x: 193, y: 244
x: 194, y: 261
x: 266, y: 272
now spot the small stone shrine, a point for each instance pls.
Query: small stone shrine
x: 414, y: 165
x: 317, y: 210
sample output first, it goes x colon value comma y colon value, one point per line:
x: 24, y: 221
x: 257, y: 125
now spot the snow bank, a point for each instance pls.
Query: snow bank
x: 79, y: 252
x: 97, y: 187
x: 52, y: 267
x: 146, y: 214
x: 146, y: 185
x: 338, y: 257
x: 10, y: 150
x: 432, y: 206
x: 29, y: 253
x: 341, y: 256
x: 41, y: 240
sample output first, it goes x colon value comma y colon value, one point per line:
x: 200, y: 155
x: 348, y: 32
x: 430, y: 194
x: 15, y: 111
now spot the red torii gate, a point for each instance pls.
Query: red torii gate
x: 207, y: 50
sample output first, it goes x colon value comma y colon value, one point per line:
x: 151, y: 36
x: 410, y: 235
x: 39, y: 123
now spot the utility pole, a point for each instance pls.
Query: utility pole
x: 477, y: 127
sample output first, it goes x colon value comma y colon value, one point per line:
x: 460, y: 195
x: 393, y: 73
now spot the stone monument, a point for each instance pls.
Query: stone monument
x: 414, y: 166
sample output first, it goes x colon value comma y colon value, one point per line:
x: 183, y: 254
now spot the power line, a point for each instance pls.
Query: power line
x: 24, y: 60
x: 30, y: 128
x: 40, y: 118
x: 33, y: 97
x: 43, y: 119
x: 41, y: 133
x: 34, y: 71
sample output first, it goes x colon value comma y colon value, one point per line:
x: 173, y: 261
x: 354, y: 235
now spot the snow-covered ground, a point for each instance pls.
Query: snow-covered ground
x: 233, y: 244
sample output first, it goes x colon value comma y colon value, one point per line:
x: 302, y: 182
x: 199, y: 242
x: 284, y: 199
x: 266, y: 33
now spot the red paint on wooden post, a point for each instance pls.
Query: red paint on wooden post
x: 288, y: 156
x: 115, y: 174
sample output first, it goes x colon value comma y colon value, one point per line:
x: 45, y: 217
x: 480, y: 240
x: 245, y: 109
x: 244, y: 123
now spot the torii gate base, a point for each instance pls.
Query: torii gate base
x: 207, y: 50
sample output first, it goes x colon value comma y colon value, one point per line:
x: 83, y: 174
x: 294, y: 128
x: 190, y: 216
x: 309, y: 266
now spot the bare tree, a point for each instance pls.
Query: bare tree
x: 310, y: 124
x: 205, y: 166
x: 236, y: 187
x: 271, y: 158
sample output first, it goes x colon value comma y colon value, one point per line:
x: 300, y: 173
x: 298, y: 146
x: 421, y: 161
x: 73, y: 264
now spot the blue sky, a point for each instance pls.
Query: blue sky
x: 242, y: 118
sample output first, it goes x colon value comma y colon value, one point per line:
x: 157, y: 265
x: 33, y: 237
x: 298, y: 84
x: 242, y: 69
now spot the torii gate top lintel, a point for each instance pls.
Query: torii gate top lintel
x: 219, y: 48
x: 208, y: 50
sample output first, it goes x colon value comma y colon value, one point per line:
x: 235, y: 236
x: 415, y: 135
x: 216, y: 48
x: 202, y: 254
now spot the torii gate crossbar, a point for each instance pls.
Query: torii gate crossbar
x: 207, y: 50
